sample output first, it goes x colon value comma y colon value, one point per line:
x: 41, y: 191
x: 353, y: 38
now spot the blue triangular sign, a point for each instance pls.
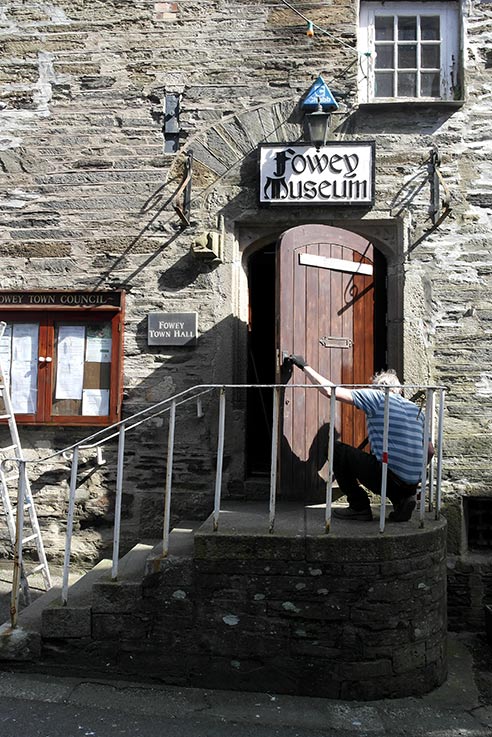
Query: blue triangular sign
x: 320, y: 94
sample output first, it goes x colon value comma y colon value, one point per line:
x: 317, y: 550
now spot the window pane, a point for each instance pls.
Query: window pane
x: 407, y: 84
x: 383, y: 25
x: 384, y: 84
x: 429, y: 84
x: 407, y: 57
x: 429, y: 28
x: 407, y: 28
x: 385, y: 57
x: 430, y: 57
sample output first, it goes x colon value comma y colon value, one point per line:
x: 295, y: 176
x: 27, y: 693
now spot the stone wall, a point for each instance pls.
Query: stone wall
x: 86, y: 202
x: 351, y: 615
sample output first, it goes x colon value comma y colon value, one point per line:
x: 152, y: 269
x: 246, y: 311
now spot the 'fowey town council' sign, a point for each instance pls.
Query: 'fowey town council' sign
x: 339, y: 173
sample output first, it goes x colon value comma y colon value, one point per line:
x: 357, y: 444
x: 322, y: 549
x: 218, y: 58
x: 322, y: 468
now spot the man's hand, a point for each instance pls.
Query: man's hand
x: 297, y: 361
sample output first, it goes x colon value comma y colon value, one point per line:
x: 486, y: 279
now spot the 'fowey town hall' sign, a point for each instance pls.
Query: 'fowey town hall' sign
x: 339, y: 173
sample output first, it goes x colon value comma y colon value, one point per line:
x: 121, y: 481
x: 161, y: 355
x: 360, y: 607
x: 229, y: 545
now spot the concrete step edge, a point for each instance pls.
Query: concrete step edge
x: 181, y: 545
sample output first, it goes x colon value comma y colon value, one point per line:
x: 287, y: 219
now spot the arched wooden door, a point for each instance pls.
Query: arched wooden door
x: 325, y: 312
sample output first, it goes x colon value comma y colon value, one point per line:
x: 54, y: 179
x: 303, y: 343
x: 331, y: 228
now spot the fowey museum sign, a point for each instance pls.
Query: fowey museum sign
x: 338, y: 173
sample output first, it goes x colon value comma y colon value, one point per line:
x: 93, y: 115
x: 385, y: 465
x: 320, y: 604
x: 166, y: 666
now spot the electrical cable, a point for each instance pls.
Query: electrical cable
x: 312, y: 24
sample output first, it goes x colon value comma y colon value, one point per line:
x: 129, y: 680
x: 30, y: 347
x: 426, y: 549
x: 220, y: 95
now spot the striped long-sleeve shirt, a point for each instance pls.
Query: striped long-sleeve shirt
x: 405, y: 434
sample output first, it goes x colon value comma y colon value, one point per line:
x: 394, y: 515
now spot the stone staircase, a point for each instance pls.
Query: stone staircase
x: 350, y: 614
x: 95, y: 603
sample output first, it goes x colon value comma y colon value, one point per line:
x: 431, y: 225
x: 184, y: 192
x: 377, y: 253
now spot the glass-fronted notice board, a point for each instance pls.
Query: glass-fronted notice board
x: 63, y: 366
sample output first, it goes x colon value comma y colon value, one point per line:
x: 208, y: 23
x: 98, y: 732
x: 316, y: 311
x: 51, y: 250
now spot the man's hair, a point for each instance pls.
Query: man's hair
x: 388, y: 378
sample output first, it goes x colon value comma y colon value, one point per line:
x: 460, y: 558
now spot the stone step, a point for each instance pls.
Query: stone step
x: 181, y: 545
x: 74, y: 619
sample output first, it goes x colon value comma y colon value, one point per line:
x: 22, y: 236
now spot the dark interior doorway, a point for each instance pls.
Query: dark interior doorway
x: 262, y: 349
x: 261, y: 358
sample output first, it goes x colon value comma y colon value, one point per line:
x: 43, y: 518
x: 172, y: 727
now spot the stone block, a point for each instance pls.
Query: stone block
x: 361, y: 670
x: 112, y: 596
x: 409, y: 658
x: 67, y: 622
x: 106, y: 626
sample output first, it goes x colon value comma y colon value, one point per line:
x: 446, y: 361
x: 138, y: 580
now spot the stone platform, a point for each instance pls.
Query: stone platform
x: 354, y: 614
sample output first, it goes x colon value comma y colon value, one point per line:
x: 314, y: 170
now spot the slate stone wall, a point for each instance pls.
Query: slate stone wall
x: 86, y: 193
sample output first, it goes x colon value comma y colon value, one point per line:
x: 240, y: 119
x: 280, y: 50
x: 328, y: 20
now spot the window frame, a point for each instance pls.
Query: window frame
x: 47, y: 318
x: 450, y: 43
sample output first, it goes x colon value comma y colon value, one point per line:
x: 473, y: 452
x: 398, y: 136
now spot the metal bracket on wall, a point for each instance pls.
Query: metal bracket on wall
x: 436, y: 182
x: 182, y: 198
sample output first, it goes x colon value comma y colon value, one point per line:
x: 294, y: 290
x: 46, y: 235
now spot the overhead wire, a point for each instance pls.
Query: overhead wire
x: 312, y: 24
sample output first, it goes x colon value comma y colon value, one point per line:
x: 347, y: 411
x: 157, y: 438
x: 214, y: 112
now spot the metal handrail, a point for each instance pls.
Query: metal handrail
x: 170, y: 404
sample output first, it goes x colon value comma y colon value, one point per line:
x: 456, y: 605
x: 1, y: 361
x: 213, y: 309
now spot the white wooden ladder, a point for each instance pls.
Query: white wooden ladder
x: 12, y: 465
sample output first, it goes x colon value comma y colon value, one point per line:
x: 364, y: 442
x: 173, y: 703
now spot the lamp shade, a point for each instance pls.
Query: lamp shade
x: 318, y: 124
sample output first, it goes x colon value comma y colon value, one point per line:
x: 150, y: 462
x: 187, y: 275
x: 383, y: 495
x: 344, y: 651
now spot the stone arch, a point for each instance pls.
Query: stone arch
x: 220, y: 149
x: 222, y: 153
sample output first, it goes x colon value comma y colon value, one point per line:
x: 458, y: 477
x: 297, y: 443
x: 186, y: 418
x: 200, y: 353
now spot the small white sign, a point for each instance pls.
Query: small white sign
x: 335, y: 174
x: 335, y: 264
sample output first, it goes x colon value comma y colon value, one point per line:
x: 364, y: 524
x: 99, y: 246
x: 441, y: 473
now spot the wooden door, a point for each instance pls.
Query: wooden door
x: 325, y: 312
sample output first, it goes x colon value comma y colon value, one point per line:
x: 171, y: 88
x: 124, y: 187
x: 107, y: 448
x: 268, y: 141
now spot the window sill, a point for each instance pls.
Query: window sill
x: 406, y: 104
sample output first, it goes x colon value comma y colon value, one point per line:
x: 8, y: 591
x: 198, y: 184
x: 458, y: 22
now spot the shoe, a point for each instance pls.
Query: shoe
x: 403, y: 511
x: 364, y: 515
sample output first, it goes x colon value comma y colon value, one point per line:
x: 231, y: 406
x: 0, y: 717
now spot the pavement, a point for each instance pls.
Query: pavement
x: 462, y: 707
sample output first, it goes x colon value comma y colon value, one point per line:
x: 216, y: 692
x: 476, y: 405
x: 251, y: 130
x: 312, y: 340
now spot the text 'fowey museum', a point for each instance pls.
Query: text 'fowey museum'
x: 192, y: 190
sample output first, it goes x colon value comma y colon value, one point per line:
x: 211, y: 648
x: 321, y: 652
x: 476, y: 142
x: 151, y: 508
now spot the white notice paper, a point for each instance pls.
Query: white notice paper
x: 24, y: 386
x: 24, y: 367
x: 70, y: 362
x: 95, y: 402
x: 5, y: 352
x: 25, y: 342
x: 98, y: 348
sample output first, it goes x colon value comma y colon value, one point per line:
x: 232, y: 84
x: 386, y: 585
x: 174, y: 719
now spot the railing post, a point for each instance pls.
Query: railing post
x: 384, y: 459
x: 331, y: 447
x: 69, y: 532
x: 220, y: 458
x: 423, y: 477
x: 117, y: 504
x: 430, y: 462
x: 169, y: 480
x: 440, y: 433
x: 19, y: 534
x: 274, y: 458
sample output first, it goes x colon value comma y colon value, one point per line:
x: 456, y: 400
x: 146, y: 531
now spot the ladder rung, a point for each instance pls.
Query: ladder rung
x: 40, y: 567
x: 5, y: 417
x: 29, y: 538
x: 8, y: 447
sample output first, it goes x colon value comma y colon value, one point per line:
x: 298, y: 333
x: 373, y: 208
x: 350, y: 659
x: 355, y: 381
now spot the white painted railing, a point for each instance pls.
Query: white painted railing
x: 430, y: 482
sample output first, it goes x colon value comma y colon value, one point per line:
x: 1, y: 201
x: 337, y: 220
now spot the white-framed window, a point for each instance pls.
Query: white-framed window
x: 409, y: 51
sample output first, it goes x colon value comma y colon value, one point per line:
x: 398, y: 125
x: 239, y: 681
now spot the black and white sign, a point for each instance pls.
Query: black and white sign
x: 172, y: 328
x: 340, y: 173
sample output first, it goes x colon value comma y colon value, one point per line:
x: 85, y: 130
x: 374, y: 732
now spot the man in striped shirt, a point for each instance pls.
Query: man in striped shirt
x: 355, y: 469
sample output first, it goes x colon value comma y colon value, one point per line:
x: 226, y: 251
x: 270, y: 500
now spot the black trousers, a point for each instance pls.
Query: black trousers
x: 352, y: 467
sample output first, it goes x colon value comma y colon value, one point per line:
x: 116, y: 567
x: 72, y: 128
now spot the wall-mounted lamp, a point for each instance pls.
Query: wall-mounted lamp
x: 318, y: 124
x: 318, y: 106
